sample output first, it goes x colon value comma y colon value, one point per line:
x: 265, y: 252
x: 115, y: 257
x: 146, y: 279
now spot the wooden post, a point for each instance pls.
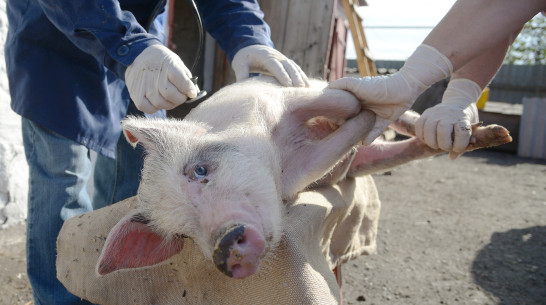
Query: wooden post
x: 365, y: 62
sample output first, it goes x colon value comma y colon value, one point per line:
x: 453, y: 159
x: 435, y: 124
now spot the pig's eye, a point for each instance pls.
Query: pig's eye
x: 200, y: 171
x: 197, y: 172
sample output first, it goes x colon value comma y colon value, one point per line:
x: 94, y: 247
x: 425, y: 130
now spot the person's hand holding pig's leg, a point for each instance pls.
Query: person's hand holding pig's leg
x: 390, y: 96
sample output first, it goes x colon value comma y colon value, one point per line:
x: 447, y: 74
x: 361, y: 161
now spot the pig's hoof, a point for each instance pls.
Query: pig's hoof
x: 238, y: 251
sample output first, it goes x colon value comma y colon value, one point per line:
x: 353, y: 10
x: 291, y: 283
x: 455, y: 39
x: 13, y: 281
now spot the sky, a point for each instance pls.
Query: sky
x: 398, y: 43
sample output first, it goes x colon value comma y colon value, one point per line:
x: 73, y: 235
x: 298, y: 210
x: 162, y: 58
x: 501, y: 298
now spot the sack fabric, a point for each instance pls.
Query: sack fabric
x: 323, y: 228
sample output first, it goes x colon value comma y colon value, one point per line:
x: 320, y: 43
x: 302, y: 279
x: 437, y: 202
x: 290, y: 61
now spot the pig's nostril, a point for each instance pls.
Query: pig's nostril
x: 238, y: 251
x: 224, y: 246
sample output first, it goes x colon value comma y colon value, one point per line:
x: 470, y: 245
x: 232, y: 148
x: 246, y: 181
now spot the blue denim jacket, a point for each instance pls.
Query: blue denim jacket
x: 66, y: 59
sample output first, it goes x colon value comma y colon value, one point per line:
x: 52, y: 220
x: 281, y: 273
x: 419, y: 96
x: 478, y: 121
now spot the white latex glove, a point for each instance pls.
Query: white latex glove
x: 390, y: 96
x: 266, y: 60
x: 448, y: 125
x: 158, y: 79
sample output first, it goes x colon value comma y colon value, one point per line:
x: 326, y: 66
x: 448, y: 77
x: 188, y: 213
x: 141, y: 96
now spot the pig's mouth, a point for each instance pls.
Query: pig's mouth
x: 238, y: 251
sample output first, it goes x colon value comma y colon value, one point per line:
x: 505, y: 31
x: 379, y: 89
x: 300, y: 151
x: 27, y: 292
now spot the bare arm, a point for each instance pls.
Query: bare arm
x: 481, y: 33
x: 469, y: 44
x: 483, y: 68
x: 473, y: 26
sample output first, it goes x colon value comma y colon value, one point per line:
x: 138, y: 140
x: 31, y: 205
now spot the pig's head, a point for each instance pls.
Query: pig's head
x: 220, y: 190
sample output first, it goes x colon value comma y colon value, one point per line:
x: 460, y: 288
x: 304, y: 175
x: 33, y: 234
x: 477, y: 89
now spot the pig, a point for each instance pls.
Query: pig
x: 221, y: 175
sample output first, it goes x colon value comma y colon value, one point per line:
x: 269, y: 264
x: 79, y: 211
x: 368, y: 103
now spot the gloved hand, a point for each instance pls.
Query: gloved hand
x: 390, y: 96
x: 264, y: 59
x: 448, y: 125
x: 158, y: 79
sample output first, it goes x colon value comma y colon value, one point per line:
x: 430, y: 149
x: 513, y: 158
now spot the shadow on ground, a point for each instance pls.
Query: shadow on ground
x: 513, y: 266
x: 496, y: 157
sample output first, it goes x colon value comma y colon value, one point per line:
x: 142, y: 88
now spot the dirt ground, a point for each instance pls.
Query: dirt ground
x: 470, y: 231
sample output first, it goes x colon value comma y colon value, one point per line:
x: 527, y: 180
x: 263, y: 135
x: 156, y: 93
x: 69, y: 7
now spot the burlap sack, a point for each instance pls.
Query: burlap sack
x: 323, y: 228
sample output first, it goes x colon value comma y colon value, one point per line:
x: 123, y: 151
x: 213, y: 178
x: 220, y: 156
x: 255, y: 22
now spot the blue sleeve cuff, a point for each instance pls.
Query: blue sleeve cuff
x: 235, y: 24
x: 120, y: 56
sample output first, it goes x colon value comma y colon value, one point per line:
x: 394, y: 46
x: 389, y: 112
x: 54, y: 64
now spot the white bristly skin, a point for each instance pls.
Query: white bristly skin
x: 243, y: 135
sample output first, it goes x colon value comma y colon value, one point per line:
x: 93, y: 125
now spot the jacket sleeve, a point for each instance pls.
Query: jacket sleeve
x: 235, y: 24
x: 102, y: 29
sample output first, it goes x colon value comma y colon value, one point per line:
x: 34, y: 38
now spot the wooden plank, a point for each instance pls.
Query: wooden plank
x: 320, y: 26
x: 532, y: 132
x: 275, y: 13
x: 296, y: 35
x: 300, y: 30
x: 336, y: 59
x: 365, y: 63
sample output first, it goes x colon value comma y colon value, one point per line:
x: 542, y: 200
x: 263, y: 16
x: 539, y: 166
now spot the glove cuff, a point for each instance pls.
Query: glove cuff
x: 462, y: 91
x: 150, y: 54
x: 426, y: 66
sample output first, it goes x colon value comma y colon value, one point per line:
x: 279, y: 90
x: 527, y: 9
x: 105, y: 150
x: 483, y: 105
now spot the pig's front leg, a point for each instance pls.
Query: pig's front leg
x: 482, y: 136
x: 315, y: 133
x: 316, y: 159
x: 382, y: 155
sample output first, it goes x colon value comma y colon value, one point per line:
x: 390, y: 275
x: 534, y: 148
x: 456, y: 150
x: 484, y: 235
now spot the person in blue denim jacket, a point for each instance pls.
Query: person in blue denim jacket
x: 76, y: 69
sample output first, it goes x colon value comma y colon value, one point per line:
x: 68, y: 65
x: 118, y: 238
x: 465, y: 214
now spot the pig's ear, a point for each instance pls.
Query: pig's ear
x: 132, y: 244
x: 130, y: 137
x: 141, y: 130
x: 152, y: 133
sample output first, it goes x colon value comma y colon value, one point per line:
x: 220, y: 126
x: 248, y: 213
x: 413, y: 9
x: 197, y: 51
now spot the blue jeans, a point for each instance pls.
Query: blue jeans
x: 59, y: 170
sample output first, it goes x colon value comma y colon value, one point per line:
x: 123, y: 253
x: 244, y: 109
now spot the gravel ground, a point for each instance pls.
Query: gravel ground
x: 472, y: 231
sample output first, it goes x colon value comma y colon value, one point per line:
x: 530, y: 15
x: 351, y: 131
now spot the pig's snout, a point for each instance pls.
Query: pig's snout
x: 238, y: 251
